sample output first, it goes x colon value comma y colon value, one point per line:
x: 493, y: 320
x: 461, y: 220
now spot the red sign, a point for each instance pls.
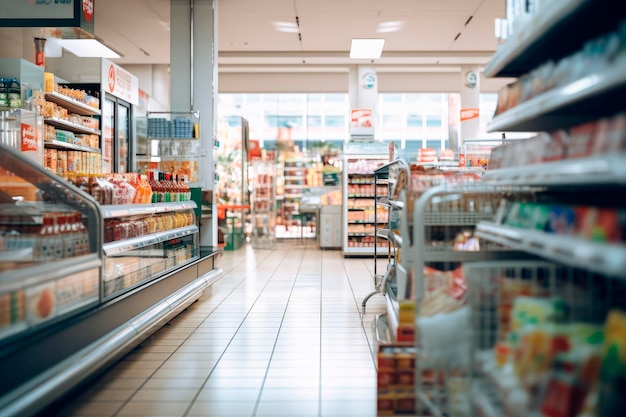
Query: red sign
x: 361, y: 118
x: 111, y: 79
x: 88, y: 9
x: 469, y: 114
x: 29, y: 138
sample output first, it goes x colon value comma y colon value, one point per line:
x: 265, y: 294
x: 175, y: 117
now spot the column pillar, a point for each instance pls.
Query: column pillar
x: 363, y: 90
x: 193, y: 84
x: 470, y: 97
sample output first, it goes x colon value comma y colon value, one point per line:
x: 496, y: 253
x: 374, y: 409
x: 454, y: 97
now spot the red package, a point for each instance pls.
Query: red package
x: 579, y: 141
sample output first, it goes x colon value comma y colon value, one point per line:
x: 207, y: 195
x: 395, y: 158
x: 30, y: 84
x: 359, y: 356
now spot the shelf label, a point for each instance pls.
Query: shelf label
x: 29, y: 138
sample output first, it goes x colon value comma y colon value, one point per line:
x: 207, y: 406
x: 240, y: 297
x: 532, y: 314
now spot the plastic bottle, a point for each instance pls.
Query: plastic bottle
x: 14, y: 94
x: 4, y: 93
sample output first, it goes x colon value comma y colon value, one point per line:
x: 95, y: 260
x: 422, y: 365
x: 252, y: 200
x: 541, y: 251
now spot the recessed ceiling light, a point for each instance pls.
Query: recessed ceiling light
x: 88, y: 48
x: 286, y: 27
x: 386, y: 27
x: 366, y: 48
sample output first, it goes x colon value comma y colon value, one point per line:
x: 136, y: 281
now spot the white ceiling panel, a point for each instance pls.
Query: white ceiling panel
x: 139, y: 29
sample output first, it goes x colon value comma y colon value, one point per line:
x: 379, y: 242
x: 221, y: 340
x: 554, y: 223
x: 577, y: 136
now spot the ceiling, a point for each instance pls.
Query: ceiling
x: 432, y: 35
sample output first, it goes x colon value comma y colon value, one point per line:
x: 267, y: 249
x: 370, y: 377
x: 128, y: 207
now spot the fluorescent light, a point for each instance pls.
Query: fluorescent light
x: 366, y: 48
x: 386, y: 27
x: 88, y: 48
x: 286, y: 27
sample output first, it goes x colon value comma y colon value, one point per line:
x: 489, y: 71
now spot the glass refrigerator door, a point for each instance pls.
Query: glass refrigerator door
x: 123, y: 138
x: 108, y: 134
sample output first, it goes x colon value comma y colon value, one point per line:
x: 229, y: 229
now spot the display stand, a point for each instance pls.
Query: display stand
x: 263, y: 201
x: 174, y: 145
x: 359, y: 207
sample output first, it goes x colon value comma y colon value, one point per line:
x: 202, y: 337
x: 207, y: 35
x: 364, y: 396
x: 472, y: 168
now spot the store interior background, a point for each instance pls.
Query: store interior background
x: 284, y: 65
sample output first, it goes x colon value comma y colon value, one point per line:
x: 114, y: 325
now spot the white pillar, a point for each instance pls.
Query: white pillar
x: 363, y: 90
x: 193, y: 83
x: 470, y: 97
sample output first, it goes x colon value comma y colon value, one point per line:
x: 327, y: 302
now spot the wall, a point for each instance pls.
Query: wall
x: 337, y: 82
x: 154, y: 80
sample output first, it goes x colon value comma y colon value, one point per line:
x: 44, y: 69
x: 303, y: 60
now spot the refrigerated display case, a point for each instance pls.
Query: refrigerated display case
x: 49, y: 263
x: 82, y: 283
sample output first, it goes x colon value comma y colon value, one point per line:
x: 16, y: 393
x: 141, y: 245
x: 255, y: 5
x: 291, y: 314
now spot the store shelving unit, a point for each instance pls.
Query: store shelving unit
x: 588, y: 98
x: 263, y: 203
x: 362, y: 214
x: 567, y: 23
x: 173, y: 145
x: 74, y: 106
x: 582, y: 271
x: 385, y: 177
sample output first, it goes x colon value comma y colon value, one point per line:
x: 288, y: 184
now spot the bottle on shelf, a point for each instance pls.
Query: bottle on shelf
x: 48, y: 244
x: 155, y: 186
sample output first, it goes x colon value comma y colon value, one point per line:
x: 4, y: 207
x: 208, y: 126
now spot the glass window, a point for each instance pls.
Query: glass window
x: 335, y: 121
x: 433, y: 143
x: 314, y: 121
x: 411, y: 146
x: 433, y: 121
x: 391, y: 97
x: 414, y: 120
x: 335, y: 97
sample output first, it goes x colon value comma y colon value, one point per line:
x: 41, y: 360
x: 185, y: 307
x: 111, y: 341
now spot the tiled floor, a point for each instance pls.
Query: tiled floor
x: 281, y: 334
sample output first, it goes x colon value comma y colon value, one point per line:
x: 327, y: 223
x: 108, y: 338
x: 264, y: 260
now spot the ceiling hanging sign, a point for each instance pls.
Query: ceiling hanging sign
x: 77, y: 15
x: 119, y: 82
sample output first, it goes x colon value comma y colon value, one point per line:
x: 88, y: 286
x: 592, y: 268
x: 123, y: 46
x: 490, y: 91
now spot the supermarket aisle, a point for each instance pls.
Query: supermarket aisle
x: 279, y: 335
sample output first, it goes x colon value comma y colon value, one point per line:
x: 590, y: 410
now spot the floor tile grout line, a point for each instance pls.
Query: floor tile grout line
x: 258, y: 401
x: 319, y: 388
x: 194, y: 399
x: 129, y: 399
x: 360, y: 311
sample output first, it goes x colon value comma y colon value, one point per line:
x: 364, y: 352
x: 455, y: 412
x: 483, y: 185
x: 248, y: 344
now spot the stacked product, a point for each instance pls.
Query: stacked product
x: 597, y: 55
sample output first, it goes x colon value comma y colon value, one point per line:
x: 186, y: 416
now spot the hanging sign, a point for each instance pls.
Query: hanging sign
x: 75, y: 14
x: 469, y: 114
x: 119, y: 82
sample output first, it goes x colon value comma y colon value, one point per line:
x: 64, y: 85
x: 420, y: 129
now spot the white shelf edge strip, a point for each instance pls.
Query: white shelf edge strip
x: 591, y: 170
x: 531, y: 33
x: 611, y: 77
x: 601, y: 257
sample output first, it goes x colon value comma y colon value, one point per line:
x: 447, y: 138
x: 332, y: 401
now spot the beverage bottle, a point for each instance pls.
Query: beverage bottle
x: 186, y: 191
x: 14, y: 94
x: 166, y: 188
x: 48, y: 245
x: 153, y: 187
x: 4, y: 92
x: 67, y: 237
x: 81, y: 236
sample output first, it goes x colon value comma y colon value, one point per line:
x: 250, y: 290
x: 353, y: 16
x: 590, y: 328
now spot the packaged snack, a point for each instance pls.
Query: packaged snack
x: 599, y: 224
x: 579, y: 140
x: 612, y: 384
x: 562, y: 220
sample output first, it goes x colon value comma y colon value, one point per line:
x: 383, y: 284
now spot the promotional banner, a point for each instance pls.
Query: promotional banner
x: 469, y: 114
x: 119, y: 82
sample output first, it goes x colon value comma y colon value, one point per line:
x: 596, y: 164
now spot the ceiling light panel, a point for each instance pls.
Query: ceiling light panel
x: 88, y: 48
x: 366, y: 48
